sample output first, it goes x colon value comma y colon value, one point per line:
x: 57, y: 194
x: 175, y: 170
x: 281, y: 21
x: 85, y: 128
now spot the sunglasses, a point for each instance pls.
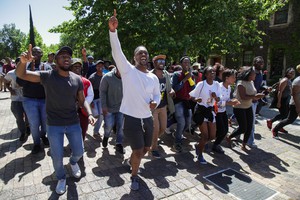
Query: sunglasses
x: 161, y: 61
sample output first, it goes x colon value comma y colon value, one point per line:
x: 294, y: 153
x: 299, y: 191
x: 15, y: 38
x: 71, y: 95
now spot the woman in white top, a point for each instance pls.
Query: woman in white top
x: 228, y: 78
x: 206, y: 93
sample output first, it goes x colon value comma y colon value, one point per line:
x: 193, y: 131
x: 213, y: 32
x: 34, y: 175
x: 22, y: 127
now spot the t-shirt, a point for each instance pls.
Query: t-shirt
x: 204, y: 91
x: 250, y: 90
x: 61, y: 97
x: 111, y: 92
x: 12, y: 77
x: 139, y: 88
x: 95, y: 80
x: 163, y: 99
x: 296, y: 82
x: 224, y: 97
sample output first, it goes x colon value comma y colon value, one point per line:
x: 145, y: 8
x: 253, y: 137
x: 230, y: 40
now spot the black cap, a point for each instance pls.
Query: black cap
x: 65, y: 48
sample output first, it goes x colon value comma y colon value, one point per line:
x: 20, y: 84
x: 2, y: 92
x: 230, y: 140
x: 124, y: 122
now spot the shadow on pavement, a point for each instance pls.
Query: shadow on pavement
x: 109, y: 166
x: 22, y: 166
x: 158, y: 170
x: 262, y: 162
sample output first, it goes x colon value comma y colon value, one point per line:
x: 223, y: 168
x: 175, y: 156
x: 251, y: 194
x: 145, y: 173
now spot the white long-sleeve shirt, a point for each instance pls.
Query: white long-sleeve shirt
x: 139, y: 88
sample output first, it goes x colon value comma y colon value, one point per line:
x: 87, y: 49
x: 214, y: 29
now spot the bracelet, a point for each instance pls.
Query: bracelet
x: 90, y: 115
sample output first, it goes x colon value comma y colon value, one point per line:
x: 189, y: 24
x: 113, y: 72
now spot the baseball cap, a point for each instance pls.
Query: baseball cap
x: 64, y: 49
x: 99, y: 61
x: 76, y: 60
x: 159, y: 57
x: 90, y: 57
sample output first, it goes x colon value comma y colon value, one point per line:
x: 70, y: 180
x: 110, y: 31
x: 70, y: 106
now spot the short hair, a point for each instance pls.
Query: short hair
x: 218, y: 68
x: 184, y: 57
x: 136, y: 49
x: 257, y: 59
x: 228, y: 73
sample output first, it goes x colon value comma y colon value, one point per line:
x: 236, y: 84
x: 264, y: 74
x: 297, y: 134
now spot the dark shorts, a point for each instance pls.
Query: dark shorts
x: 138, y: 132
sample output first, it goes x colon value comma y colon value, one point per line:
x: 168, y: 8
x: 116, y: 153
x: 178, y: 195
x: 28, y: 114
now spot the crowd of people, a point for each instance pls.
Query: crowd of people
x: 136, y: 101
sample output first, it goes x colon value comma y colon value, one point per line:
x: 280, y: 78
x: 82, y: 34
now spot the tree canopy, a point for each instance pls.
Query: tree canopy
x: 175, y: 28
x: 11, y: 40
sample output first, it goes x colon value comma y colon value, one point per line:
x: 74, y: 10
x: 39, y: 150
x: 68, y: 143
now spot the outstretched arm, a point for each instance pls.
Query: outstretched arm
x: 21, y: 67
x: 117, y: 53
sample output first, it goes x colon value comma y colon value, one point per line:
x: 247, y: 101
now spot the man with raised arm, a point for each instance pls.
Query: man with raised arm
x: 64, y: 92
x: 141, y: 94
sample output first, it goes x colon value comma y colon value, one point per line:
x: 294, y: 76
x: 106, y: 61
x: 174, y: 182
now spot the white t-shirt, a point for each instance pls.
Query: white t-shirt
x: 204, y: 92
x: 12, y: 77
x: 224, y: 97
x: 139, y: 88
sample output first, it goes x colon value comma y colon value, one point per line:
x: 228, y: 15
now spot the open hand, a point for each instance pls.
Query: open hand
x: 113, y: 22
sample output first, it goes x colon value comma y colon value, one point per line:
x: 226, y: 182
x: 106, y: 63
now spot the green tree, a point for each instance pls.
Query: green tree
x: 174, y: 28
x: 11, y: 40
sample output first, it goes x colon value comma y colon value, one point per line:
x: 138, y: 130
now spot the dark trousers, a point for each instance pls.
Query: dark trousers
x: 292, y: 116
x: 19, y: 113
x: 283, y: 110
x: 244, y: 118
x: 222, y: 127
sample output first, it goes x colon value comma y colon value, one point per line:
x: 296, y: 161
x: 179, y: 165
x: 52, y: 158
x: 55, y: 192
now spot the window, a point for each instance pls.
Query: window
x: 281, y: 16
x: 247, y: 58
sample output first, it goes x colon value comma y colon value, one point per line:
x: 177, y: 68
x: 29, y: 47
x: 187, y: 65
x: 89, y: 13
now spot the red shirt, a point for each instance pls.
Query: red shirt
x: 7, y: 68
x: 86, y: 85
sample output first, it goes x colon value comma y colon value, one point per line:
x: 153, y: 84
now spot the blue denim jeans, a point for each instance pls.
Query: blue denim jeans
x: 184, y: 118
x: 251, y: 138
x: 36, y: 112
x: 56, y: 139
x: 19, y: 113
x: 111, y: 119
x: 97, y: 112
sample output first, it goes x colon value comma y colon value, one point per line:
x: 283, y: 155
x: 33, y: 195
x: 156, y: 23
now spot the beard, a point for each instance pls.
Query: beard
x: 65, y: 69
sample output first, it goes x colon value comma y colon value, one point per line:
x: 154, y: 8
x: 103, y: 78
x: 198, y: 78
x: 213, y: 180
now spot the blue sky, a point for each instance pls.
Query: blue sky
x: 46, y: 14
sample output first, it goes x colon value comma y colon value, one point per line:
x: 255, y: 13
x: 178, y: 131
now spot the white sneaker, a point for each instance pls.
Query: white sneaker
x: 75, y: 170
x: 168, y: 131
x: 61, y: 186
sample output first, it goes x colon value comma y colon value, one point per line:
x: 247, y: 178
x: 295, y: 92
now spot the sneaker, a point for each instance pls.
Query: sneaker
x: 61, y: 186
x: 36, y: 149
x: 45, y: 140
x: 75, y: 170
x: 155, y: 154
x: 282, y: 130
x: 196, y: 149
x: 275, y: 134
x: 135, y: 185
x: 217, y: 149
x: 269, y: 124
x: 202, y: 160
x: 119, y: 148
x: 23, y: 137
x: 168, y: 131
x: 178, y: 147
x: 104, y: 141
x: 252, y: 145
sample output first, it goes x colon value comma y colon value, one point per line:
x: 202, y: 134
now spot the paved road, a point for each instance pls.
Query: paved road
x: 275, y: 164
